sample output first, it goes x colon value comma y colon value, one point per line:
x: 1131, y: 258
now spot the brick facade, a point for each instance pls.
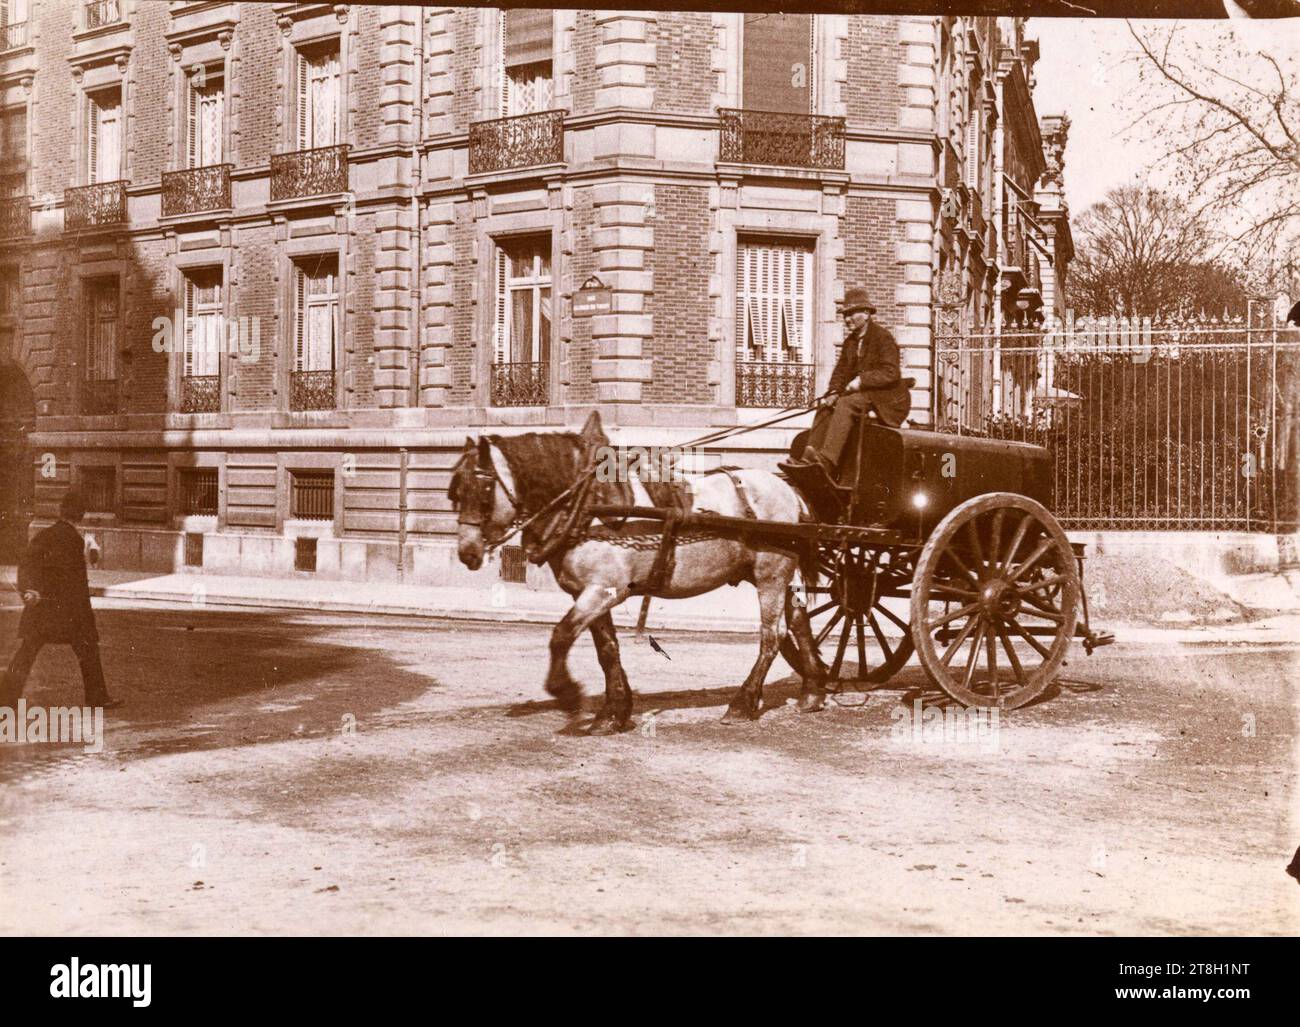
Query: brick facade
x: 641, y: 200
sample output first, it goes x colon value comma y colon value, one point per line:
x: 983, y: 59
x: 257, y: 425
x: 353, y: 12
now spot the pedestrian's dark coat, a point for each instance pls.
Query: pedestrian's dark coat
x: 872, y: 355
x: 55, y: 566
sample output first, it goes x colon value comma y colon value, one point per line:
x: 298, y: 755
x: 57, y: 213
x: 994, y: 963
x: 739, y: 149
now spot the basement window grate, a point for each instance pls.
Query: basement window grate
x: 513, y: 567
x: 304, y: 554
x: 194, y: 549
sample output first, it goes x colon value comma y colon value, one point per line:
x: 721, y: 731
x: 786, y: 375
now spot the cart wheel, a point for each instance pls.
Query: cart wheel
x: 853, y: 628
x: 996, y: 575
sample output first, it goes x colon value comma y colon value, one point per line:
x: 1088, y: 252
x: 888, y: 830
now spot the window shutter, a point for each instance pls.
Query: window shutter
x: 300, y: 316
x: 189, y: 325
x: 302, y: 103
x: 192, y: 127
x: 502, y: 345
x: 4, y: 12
x: 92, y: 148
x: 973, y: 150
x: 505, y: 69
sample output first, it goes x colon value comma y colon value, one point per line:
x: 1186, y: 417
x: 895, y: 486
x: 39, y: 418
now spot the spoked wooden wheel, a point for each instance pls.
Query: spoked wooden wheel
x: 858, y: 637
x: 994, y: 601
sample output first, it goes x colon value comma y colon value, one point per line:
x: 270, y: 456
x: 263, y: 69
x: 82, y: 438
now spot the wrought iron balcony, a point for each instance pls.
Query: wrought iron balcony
x: 309, y: 172
x: 13, y: 36
x: 93, y: 206
x: 521, y: 385
x: 518, y: 142
x: 102, y: 12
x: 195, y: 190
x: 311, y: 390
x: 99, y: 396
x: 201, y: 394
x: 15, y: 216
x: 779, y: 139
x: 772, y: 384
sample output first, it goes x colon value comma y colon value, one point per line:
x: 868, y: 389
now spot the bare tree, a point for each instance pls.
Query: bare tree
x: 1139, y: 252
x: 1229, y: 116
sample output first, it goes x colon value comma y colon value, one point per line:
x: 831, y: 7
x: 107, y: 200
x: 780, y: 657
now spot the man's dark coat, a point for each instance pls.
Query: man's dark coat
x: 55, y: 566
x: 872, y: 355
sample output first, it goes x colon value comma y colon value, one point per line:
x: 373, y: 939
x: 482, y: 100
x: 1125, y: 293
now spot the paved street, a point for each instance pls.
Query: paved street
x: 328, y: 773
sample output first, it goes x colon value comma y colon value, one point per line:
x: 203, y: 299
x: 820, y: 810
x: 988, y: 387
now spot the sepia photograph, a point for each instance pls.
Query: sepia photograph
x: 821, y: 471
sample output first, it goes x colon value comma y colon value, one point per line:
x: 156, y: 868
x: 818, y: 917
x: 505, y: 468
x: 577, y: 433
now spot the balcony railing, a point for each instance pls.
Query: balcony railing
x: 201, y: 394
x: 99, y: 396
x: 311, y: 390
x: 772, y: 384
x: 195, y: 190
x: 309, y: 172
x: 102, y: 12
x: 518, y: 142
x: 15, y: 217
x: 93, y: 206
x: 780, y: 139
x: 521, y: 385
x: 13, y: 36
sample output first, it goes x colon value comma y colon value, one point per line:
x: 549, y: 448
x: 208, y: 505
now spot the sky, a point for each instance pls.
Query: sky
x: 1081, y: 72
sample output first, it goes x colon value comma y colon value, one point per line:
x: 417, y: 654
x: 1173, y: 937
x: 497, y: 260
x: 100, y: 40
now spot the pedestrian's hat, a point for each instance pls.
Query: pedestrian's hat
x: 856, y: 298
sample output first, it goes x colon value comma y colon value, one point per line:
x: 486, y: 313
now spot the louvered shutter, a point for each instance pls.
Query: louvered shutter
x: 92, y: 141
x: 773, y: 303
x: 192, y: 127
x: 973, y: 149
x: 502, y: 340
x: 300, y: 318
x: 189, y: 326
x: 302, y: 104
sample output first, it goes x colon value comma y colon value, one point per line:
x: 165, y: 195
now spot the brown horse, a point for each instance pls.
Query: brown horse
x: 501, y: 481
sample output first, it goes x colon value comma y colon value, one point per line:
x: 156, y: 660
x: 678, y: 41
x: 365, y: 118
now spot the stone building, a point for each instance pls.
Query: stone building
x: 263, y: 267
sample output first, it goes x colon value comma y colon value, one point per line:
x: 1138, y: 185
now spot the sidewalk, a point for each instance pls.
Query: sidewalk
x: 731, y: 610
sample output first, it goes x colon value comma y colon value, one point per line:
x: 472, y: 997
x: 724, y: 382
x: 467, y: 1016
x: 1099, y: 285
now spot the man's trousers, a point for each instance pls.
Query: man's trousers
x: 87, y: 652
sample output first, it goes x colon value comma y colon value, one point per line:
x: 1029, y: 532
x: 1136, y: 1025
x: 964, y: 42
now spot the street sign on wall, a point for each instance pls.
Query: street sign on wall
x: 593, y: 298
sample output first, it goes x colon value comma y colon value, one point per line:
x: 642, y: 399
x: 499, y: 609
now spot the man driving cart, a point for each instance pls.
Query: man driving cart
x: 867, y: 377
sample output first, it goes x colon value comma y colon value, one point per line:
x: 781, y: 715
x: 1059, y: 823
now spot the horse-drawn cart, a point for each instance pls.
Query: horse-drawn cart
x: 931, y: 543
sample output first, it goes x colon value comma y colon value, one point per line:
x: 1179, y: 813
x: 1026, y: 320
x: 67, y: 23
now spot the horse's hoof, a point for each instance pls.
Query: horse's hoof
x: 811, y: 702
x: 740, y: 715
x: 567, y: 697
x: 609, y: 725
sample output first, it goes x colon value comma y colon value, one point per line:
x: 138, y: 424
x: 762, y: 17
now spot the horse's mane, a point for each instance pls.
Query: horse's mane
x: 543, y: 464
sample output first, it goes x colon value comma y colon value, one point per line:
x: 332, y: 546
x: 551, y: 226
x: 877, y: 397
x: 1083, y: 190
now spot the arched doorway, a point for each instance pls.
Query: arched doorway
x: 17, y: 486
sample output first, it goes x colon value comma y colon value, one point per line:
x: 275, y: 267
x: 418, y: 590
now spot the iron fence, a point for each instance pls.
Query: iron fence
x: 521, y: 384
x: 518, y: 142
x: 311, y: 390
x: 1188, y: 426
x: 15, y: 216
x: 318, y: 172
x: 196, y: 189
x: 201, y: 393
x: 772, y: 384
x: 93, y: 206
x: 777, y: 138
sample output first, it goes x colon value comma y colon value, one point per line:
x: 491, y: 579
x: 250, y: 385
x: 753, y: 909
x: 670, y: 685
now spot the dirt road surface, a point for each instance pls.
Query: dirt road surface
x: 328, y: 774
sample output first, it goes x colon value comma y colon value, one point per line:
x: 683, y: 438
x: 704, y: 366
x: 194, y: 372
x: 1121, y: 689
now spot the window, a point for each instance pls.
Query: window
x: 528, y: 85
x: 13, y: 149
x: 99, y: 489
x: 13, y: 24
x: 204, y: 324
x: 318, y: 97
x: 101, y: 329
x: 204, y: 120
x: 312, y: 496
x: 104, y: 135
x: 777, y: 63
x: 102, y: 12
x: 316, y: 288
x: 199, y: 491
x: 8, y: 293
x: 774, y: 302
x: 523, y: 301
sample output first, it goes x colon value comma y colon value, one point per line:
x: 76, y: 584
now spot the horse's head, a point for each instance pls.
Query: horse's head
x: 484, y: 504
